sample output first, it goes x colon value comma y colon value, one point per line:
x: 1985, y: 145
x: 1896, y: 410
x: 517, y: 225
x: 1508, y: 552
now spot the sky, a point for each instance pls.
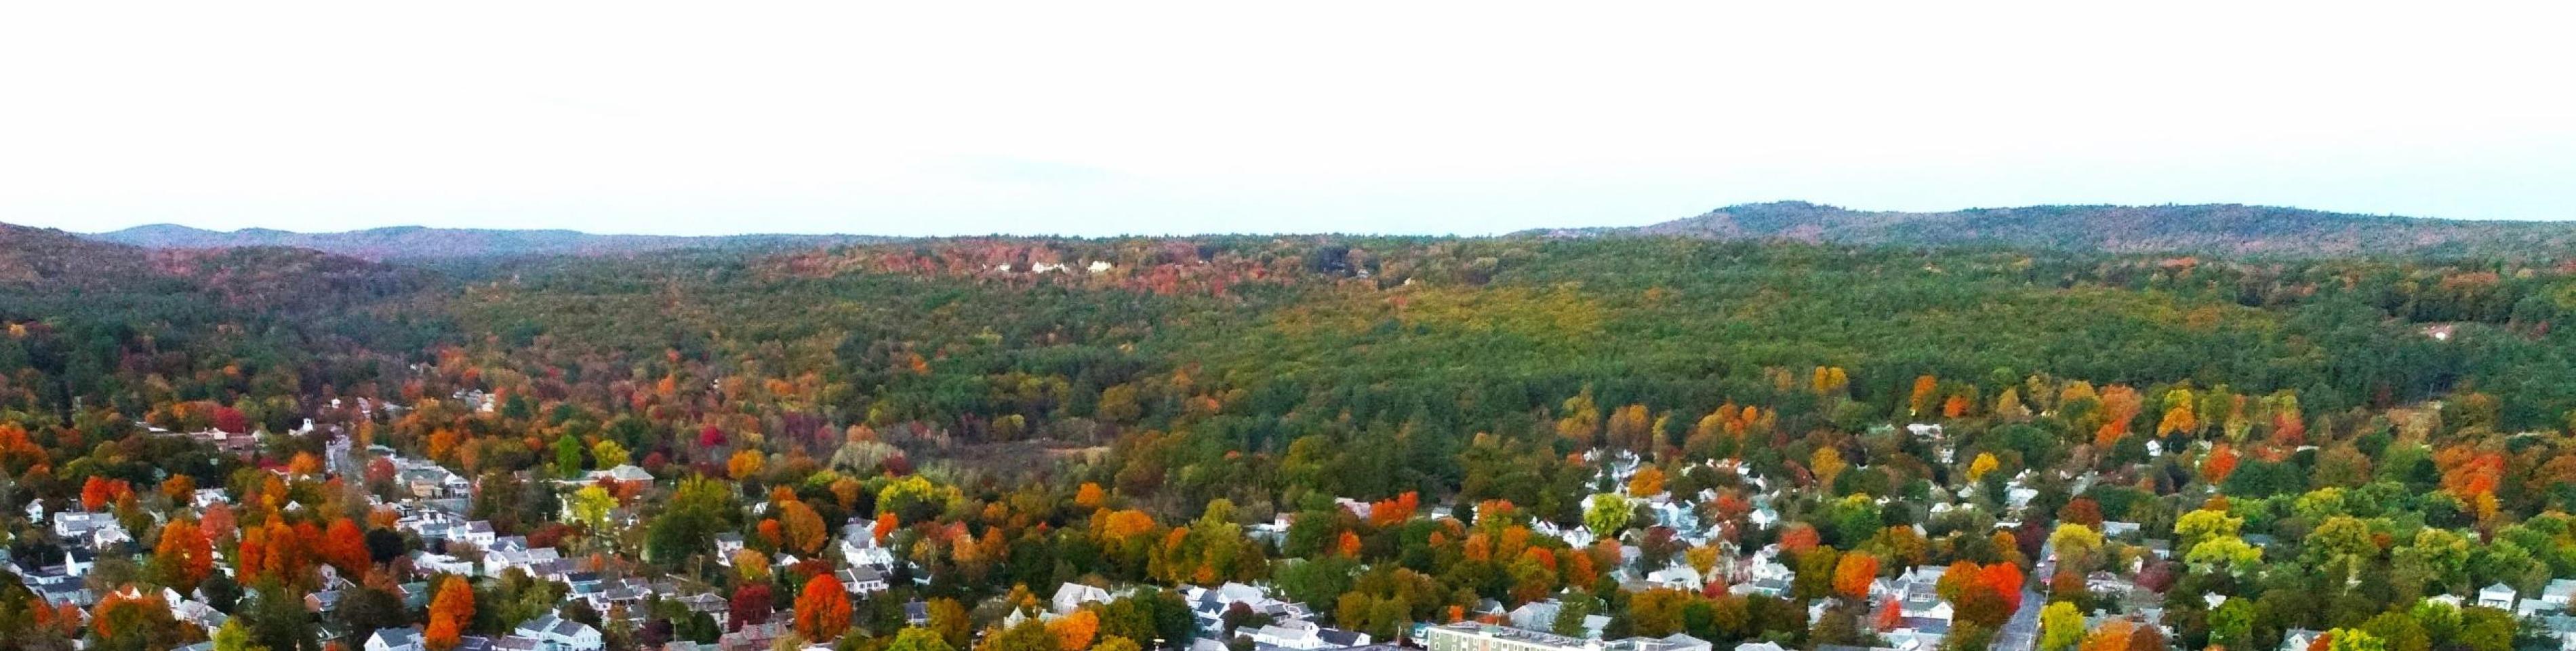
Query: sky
x: 1197, y: 117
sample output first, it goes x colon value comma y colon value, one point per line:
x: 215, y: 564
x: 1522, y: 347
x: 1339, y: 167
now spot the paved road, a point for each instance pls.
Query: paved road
x: 2021, y: 633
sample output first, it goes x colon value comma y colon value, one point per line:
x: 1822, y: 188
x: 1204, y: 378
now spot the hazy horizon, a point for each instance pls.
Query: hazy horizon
x: 1108, y: 235
x: 1187, y: 118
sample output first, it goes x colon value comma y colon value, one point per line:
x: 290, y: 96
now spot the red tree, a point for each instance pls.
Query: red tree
x: 751, y: 604
x: 344, y: 546
x: 823, y: 610
x: 231, y: 420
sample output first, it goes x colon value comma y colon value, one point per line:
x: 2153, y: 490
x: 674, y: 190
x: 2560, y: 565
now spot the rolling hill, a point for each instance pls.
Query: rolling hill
x: 417, y: 243
x: 2206, y: 229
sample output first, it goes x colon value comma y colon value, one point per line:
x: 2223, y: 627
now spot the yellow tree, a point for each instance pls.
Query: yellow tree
x: 1648, y: 482
x: 1075, y: 632
x: 1582, y: 419
x: 1827, y: 464
x: 1984, y: 463
x: 744, y: 464
x: 803, y: 527
x: 1630, y: 428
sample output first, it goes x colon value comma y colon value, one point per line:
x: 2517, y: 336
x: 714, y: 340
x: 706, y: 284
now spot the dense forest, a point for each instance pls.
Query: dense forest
x: 2324, y: 442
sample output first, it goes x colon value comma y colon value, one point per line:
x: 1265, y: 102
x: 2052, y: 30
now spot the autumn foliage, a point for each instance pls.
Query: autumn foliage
x: 822, y: 609
x: 449, y: 611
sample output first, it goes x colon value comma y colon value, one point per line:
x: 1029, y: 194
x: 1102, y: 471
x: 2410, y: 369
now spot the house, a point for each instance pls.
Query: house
x: 476, y: 532
x: 431, y: 562
x: 916, y: 613
x: 2498, y: 596
x: 77, y: 561
x: 861, y: 580
x: 2558, y: 625
x: 322, y: 601
x: 1306, y: 636
x: 1767, y: 578
x: 2559, y: 591
x: 192, y: 611
x: 713, y: 605
x: 757, y: 637
x: 558, y: 634
x: 727, y: 544
x: 1473, y: 636
x: 1073, y: 596
x: 1541, y: 616
x: 859, y: 547
x: 533, y: 561
x: 206, y: 498
x: 428, y: 480
x: 1211, y: 604
x: 67, y: 594
x: 2297, y: 639
x: 621, y: 473
x: 1918, y: 594
x: 1674, y: 642
x: 88, y: 527
x: 395, y: 639
x: 1679, y: 577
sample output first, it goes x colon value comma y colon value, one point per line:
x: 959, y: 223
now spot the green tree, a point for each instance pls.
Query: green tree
x: 2231, y: 624
x: 568, y: 456
x: 915, y: 638
x: 1606, y: 514
x: 2399, y: 632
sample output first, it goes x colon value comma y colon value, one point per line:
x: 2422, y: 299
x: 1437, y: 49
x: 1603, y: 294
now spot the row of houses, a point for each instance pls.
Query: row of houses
x: 545, y: 633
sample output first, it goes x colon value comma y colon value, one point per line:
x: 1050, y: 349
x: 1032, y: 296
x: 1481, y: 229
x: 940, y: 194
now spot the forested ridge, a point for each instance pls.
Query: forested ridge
x: 1013, y: 413
x: 416, y: 243
x: 2202, y: 228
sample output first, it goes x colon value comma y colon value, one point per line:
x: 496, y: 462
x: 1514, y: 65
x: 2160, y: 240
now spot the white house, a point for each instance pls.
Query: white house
x: 2297, y: 639
x: 861, y: 580
x: 1306, y: 636
x: 1541, y: 616
x: 2559, y: 591
x: 559, y: 634
x: 1073, y: 596
x: 1679, y: 577
x: 726, y: 544
x: 859, y: 547
x: 2498, y: 596
x: 426, y: 561
x: 395, y: 639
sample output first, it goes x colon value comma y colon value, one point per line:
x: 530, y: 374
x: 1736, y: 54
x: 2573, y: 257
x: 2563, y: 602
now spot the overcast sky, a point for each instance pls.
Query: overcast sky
x: 1397, y: 117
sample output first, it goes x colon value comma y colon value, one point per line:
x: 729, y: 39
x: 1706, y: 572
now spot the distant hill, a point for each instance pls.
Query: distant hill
x: 31, y: 257
x: 2208, y: 228
x: 416, y: 242
x: 44, y: 262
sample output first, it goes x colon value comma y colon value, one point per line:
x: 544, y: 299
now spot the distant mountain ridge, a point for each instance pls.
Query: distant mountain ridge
x: 420, y: 242
x: 2204, y: 228
x: 44, y: 262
